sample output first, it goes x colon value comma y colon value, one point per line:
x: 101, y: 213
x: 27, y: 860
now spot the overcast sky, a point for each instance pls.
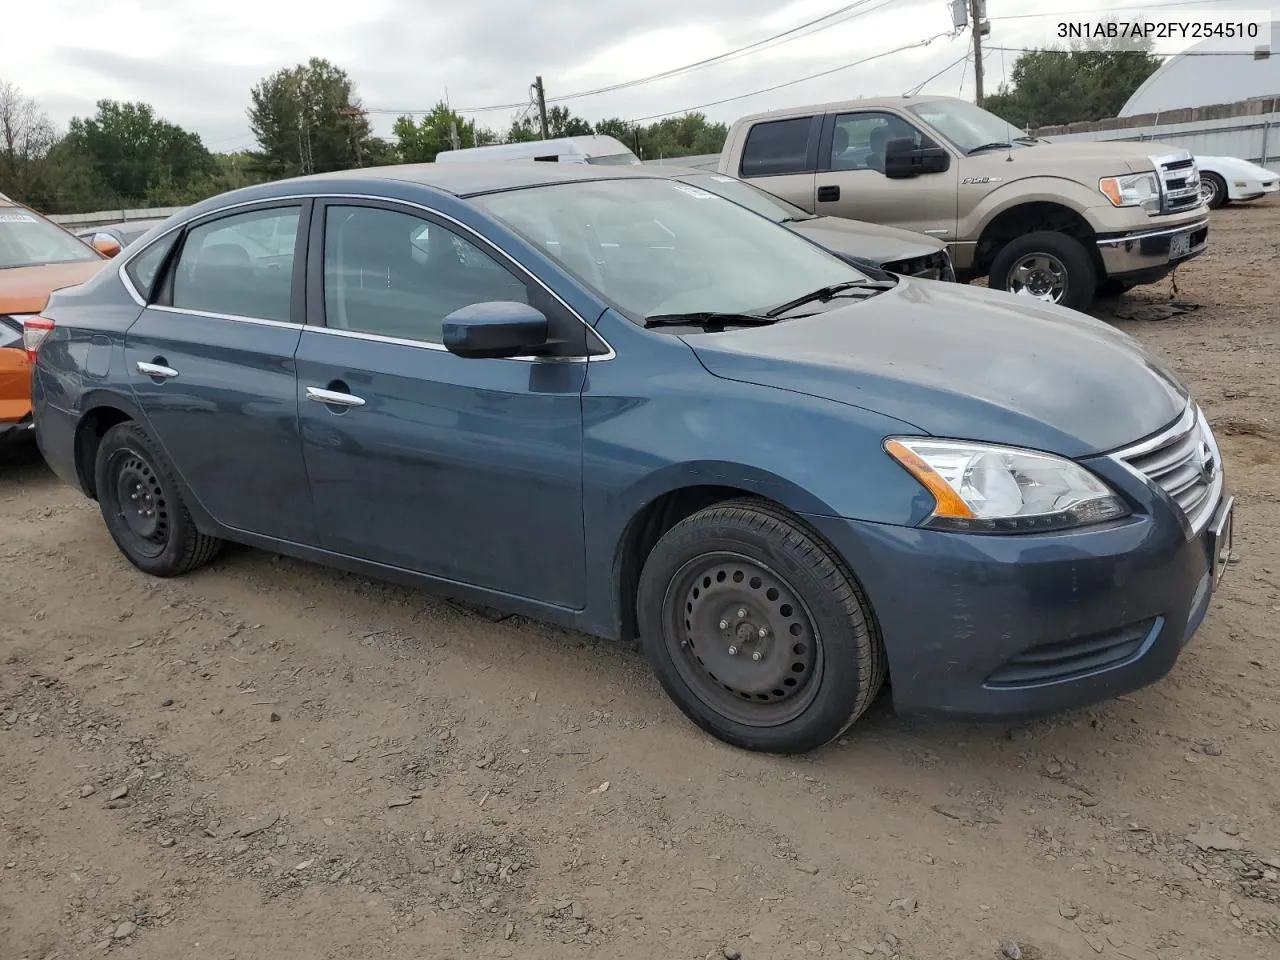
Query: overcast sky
x: 195, y: 60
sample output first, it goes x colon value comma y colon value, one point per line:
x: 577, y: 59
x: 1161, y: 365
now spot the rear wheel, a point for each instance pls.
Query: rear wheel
x: 757, y: 630
x: 143, y: 508
x: 1048, y: 266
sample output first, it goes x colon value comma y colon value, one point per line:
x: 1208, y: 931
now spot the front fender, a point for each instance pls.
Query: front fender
x: 1060, y: 191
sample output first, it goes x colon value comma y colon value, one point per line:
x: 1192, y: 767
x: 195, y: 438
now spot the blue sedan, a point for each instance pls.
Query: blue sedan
x: 614, y: 401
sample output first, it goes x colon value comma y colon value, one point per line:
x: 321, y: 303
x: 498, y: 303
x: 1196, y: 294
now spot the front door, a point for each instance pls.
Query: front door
x: 463, y: 469
x: 211, y: 364
x: 851, y: 181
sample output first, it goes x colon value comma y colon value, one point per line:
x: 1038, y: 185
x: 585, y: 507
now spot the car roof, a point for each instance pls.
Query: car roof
x: 865, y: 103
x: 459, y: 179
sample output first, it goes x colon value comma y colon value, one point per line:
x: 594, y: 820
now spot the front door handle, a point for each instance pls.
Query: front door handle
x: 829, y: 193
x: 157, y: 370
x: 334, y: 398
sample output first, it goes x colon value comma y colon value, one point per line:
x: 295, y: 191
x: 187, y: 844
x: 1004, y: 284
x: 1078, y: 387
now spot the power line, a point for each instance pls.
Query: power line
x: 792, y: 83
x: 964, y: 58
x: 836, y: 17
x: 1149, y: 53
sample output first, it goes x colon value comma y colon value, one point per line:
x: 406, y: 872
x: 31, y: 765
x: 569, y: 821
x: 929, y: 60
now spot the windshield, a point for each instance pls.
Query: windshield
x: 28, y: 240
x: 656, y: 246
x: 967, y: 126
x: 615, y: 160
x: 753, y: 198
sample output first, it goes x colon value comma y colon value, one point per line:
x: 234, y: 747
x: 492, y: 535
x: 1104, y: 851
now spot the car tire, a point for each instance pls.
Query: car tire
x: 1048, y: 261
x: 1213, y: 190
x: 142, y: 505
x: 809, y: 659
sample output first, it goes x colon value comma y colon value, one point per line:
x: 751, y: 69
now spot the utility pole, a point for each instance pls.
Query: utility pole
x: 541, y: 96
x: 981, y: 27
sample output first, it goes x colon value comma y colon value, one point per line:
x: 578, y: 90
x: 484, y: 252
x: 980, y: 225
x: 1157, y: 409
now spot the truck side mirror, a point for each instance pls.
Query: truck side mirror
x: 903, y: 159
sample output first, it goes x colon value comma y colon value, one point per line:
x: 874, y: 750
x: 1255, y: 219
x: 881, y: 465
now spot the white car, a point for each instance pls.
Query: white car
x: 1223, y: 179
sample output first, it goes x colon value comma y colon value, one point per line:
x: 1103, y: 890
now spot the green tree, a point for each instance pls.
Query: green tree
x: 131, y: 151
x: 560, y: 123
x: 1056, y: 86
x: 419, y: 141
x: 307, y: 119
x: 684, y: 136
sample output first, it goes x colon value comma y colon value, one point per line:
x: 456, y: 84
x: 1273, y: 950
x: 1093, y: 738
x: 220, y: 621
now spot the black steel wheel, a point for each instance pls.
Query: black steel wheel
x: 142, y: 505
x: 757, y: 630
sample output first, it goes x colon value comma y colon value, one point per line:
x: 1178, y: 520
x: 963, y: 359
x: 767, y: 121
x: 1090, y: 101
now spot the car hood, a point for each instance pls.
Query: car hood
x: 1075, y: 160
x: 963, y: 362
x: 1234, y: 166
x: 867, y: 240
x: 26, y: 289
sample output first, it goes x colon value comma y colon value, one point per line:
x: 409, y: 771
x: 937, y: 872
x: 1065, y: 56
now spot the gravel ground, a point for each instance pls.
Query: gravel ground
x: 270, y: 759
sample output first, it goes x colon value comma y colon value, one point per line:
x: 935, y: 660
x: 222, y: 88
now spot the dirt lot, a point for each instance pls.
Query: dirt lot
x: 272, y: 760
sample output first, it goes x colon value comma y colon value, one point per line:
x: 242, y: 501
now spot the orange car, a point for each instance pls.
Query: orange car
x: 36, y: 257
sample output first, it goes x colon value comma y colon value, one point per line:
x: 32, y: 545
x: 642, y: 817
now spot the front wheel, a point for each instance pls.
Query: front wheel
x: 1213, y: 190
x: 142, y: 505
x: 757, y: 630
x: 1048, y: 266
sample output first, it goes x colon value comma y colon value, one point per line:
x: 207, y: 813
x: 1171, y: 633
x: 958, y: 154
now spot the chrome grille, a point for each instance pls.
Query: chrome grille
x: 1179, y: 181
x: 1185, y: 463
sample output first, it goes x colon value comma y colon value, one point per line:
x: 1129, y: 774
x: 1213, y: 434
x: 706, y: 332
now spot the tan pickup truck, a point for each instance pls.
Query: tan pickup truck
x: 1062, y: 222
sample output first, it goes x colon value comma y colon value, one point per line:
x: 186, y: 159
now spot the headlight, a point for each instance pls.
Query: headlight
x: 981, y: 488
x: 1136, y: 190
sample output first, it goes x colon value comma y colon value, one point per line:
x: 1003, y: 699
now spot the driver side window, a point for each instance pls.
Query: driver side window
x: 859, y: 140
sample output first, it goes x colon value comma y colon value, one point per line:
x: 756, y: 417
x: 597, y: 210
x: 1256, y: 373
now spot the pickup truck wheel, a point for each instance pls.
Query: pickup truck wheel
x: 1213, y: 190
x: 143, y: 508
x: 757, y: 630
x: 1049, y: 266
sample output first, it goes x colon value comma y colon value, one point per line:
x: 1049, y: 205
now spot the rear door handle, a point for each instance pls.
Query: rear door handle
x: 828, y: 193
x: 157, y: 370
x: 334, y: 398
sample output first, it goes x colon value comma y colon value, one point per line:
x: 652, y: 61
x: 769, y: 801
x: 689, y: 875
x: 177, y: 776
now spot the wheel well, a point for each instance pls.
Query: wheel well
x: 1030, y: 218
x: 89, y: 433
x: 646, y: 529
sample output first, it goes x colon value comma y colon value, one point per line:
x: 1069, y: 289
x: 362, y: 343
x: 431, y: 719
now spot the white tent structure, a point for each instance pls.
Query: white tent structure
x: 1198, y: 77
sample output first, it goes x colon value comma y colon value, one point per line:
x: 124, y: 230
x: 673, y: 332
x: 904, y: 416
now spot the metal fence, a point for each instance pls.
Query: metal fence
x: 74, y: 221
x: 1248, y: 129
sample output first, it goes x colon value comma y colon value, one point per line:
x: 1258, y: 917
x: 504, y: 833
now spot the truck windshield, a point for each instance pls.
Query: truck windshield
x: 28, y: 240
x: 967, y: 126
x: 652, y: 246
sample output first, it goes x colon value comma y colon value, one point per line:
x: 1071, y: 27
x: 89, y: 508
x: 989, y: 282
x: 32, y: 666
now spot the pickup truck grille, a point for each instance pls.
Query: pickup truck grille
x: 1184, y: 462
x: 1179, y: 182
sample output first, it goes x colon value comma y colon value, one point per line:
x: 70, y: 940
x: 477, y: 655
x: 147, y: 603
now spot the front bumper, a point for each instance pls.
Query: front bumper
x: 990, y: 626
x: 1145, y: 256
x: 1251, y: 188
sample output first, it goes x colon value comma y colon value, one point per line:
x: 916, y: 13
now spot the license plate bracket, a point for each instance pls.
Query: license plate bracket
x: 1221, y: 539
x: 1179, y: 245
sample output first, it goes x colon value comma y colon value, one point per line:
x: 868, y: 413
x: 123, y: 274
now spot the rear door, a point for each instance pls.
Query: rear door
x: 468, y: 470
x: 211, y: 360
x: 851, y: 181
x: 781, y: 157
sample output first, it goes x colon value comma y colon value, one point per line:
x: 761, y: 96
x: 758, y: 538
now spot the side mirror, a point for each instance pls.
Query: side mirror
x: 903, y: 159
x: 105, y: 244
x: 495, y: 330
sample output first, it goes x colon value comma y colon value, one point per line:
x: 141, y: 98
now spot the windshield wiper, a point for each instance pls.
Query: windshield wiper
x: 989, y: 146
x: 823, y: 294
x: 708, y: 319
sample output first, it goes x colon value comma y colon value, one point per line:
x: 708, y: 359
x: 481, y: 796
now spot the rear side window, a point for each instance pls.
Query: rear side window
x: 145, y: 267
x: 241, y: 265
x: 777, y: 147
